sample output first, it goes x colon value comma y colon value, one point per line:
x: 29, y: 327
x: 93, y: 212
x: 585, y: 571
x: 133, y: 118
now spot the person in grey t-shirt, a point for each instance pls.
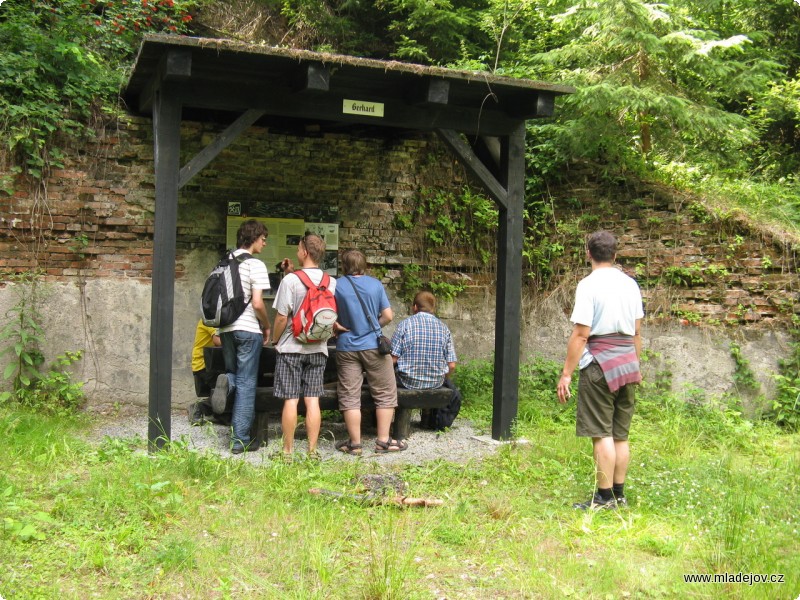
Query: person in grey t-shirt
x: 299, y: 367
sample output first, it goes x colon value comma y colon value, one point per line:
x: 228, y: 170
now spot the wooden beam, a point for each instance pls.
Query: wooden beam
x: 493, y: 148
x: 508, y: 320
x: 328, y: 107
x: 175, y: 65
x: 540, y: 105
x: 545, y: 105
x: 313, y: 77
x: 166, y: 140
x: 222, y: 141
x: 474, y: 165
x: 431, y: 91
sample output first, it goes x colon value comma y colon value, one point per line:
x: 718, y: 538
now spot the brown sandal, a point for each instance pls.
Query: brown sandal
x: 389, y: 445
x: 349, y: 448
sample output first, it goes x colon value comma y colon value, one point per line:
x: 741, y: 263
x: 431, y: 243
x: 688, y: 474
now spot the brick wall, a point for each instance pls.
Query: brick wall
x: 694, y: 264
x: 93, y: 227
x: 96, y: 218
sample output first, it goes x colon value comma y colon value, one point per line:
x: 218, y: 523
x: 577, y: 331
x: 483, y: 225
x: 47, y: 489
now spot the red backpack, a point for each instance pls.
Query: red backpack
x: 314, y: 318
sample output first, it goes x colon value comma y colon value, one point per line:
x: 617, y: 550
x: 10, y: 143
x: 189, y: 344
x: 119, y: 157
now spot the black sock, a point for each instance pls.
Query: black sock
x: 619, y: 490
x: 605, y: 493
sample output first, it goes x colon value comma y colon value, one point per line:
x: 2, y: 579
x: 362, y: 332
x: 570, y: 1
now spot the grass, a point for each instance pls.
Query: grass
x: 710, y: 493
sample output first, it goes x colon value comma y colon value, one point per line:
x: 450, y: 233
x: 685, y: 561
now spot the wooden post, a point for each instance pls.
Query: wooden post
x: 509, y: 286
x: 166, y: 139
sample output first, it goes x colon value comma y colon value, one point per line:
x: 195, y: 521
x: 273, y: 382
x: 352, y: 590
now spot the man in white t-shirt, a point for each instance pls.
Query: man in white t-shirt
x: 242, y: 341
x: 605, y: 344
x: 299, y: 367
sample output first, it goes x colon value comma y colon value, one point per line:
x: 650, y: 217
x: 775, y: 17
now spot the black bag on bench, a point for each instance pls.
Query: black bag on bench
x: 440, y: 419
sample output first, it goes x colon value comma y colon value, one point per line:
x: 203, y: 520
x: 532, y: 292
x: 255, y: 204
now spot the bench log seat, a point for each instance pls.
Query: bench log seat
x: 267, y: 404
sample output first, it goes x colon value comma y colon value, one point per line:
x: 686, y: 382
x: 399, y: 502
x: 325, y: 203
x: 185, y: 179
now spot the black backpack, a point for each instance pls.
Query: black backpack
x: 447, y: 414
x: 222, y: 301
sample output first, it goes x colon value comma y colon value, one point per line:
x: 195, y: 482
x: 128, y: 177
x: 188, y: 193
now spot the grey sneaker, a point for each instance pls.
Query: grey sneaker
x: 622, y: 502
x: 219, y: 395
x: 596, y: 502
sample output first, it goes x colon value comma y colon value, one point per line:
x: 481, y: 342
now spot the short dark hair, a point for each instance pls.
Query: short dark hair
x: 315, y: 246
x: 425, y: 302
x: 602, y: 246
x: 354, y: 262
x: 249, y: 232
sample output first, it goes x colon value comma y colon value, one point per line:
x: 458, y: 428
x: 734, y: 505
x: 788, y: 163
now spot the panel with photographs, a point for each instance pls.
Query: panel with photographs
x: 287, y: 223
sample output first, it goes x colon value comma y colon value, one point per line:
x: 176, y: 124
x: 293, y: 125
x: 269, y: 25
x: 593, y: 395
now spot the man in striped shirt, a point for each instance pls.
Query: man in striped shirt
x: 605, y: 344
x: 242, y: 341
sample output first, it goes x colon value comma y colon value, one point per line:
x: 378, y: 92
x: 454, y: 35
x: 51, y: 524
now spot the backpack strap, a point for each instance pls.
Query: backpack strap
x: 306, y: 280
x: 240, y: 258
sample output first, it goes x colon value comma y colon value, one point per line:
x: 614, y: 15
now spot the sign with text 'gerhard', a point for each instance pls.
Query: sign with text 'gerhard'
x: 359, y: 107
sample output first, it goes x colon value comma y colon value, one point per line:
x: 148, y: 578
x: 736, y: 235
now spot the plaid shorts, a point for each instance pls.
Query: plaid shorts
x: 299, y: 375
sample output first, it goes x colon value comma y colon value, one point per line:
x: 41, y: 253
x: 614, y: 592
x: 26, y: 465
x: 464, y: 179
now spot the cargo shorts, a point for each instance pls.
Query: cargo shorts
x: 601, y: 412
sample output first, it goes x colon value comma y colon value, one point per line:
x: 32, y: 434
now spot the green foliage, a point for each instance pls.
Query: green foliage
x: 20, y: 522
x: 22, y: 338
x: 551, y: 247
x: 786, y: 405
x: 415, y: 278
x: 661, y: 375
x: 704, y: 489
x: 433, y: 31
x: 465, y: 219
x: 743, y: 375
x: 446, y: 291
x: 538, y: 405
x: 61, y: 66
x: 689, y: 418
x: 684, y: 276
x: 686, y: 418
x: 54, y: 391
x: 652, y: 83
x: 689, y: 316
x: 410, y: 281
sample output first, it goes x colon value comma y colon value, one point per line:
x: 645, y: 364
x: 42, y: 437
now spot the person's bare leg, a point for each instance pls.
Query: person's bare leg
x: 313, y: 422
x: 289, y: 423
x: 352, y: 420
x: 384, y: 417
x: 605, y: 458
x: 623, y: 459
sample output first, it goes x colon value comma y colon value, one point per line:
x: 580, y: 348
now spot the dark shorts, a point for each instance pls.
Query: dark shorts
x: 299, y: 375
x: 602, y: 413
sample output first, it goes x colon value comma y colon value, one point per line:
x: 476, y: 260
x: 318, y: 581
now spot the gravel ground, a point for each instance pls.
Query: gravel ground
x: 461, y: 443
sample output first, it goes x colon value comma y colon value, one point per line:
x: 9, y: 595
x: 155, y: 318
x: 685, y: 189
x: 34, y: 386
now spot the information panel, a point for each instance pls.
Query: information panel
x: 287, y: 224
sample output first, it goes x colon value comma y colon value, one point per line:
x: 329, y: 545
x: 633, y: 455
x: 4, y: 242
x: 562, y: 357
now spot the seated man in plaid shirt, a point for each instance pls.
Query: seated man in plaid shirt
x: 423, y: 353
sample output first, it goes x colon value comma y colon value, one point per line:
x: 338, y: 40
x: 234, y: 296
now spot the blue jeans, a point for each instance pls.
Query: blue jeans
x: 242, y: 351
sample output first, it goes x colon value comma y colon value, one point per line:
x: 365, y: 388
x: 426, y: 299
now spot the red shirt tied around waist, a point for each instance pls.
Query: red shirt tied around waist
x: 616, y: 355
x: 605, y: 345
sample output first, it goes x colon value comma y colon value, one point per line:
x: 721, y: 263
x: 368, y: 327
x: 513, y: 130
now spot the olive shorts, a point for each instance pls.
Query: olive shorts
x: 601, y: 412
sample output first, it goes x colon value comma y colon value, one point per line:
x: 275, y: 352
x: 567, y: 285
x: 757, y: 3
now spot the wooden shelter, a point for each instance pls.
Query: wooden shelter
x: 480, y: 117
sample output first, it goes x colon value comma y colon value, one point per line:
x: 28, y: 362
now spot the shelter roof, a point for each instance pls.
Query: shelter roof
x: 228, y: 75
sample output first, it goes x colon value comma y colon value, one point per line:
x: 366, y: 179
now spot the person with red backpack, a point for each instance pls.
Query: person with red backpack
x: 306, y: 311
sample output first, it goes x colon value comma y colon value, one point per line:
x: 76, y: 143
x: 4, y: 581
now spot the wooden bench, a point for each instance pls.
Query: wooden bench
x: 267, y: 404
